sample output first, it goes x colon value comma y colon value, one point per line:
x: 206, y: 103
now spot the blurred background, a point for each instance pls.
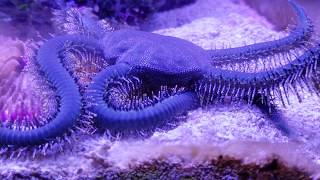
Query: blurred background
x: 279, y: 13
x: 32, y: 18
x: 25, y: 19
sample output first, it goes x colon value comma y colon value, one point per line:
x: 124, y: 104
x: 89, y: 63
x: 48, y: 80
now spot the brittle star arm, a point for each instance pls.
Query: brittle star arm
x: 297, y: 38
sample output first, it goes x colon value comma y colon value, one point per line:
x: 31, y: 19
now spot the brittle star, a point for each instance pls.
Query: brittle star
x: 147, y: 79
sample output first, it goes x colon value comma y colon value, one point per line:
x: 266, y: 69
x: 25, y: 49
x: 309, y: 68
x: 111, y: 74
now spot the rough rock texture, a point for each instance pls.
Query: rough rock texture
x: 237, y: 131
x: 221, y: 168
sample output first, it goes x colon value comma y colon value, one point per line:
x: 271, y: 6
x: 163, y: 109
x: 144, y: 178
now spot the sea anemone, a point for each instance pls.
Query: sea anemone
x: 25, y: 101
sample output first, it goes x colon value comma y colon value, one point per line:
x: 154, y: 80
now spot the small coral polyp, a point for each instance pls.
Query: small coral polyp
x: 24, y: 103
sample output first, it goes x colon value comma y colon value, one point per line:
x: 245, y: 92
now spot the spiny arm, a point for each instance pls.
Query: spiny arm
x: 297, y: 38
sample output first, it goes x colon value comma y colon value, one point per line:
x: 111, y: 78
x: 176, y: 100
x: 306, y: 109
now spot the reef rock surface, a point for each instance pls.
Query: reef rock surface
x: 236, y: 131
